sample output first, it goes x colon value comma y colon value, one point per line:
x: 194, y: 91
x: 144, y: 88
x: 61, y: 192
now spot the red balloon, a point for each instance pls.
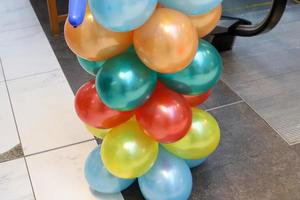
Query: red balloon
x: 92, y: 111
x: 196, y: 100
x: 166, y: 116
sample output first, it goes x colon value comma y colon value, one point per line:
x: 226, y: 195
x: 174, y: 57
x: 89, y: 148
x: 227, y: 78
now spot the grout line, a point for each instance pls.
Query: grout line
x: 226, y: 105
x: 33, y: 75
x: 16, y: 125
x: 57, y: 148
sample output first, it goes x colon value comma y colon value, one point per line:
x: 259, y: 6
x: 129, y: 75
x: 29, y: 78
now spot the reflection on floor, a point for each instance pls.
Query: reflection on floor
x: 252, y: 162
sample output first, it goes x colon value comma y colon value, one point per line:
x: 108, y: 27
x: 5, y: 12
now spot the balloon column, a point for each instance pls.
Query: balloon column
x: 152, y: 70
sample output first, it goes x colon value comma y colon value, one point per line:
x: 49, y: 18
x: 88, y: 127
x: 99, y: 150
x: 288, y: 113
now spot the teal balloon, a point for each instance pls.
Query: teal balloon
x: 99, y: 179
x: 169, y: 179
x: 122, y: 15
x: 92, y: 67
x: 124, y: 82
x: 198, y: 77
x: 195, y: 163
x: 191, y: 7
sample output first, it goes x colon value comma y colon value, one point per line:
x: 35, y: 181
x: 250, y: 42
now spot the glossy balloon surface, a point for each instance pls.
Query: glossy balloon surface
x: 92, y: 67
x: 122, y: 15
x: 191, y: 7
x: 199, y: 76
x: 202, y: 139
x: 92, y: 111
x: 99, y: 179
x: 97, y: 132
x: 166, y: 116
x: 127, y: 152
x: 195, y: 163
x: 76, y: 12
x: 93, y: 42
x: 167, y: 42
x: 169, y: 179
x: 207, y: 22
x: 125, y: 83
x: 195, y: 100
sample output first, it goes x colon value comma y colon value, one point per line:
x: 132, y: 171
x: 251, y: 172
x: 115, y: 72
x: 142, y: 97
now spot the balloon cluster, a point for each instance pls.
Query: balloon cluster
x: 151, y: 71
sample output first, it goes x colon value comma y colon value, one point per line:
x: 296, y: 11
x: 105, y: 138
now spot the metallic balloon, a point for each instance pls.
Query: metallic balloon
x: 167, y: 42
x: 196, y: 100
x: 207, y: 22
x: 201, y: 140
x: 93, y: 42
x: 122, y: 15
x: 195, y: 163
x: 169, y: 179
x: 97, y: 132
x: 92, y: 111
x: 191, y: 7
x: 76, y: 11
x: 200, y: 76
x: 92, y: 67
x: 127, y: 152
x: 124, y: 82
x: 99, y: 179
x: 166, y: 116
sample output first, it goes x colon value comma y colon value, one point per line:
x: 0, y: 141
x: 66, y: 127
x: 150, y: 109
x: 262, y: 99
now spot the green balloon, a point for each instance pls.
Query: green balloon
x: 198, y: 77
x: 92, y: 67
x: 124, y: 82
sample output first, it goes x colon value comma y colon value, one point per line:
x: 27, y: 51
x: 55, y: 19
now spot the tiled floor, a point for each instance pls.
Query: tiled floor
x: 252, y: 162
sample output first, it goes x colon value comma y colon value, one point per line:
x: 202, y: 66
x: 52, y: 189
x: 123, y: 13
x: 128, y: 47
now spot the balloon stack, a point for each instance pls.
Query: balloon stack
x: 152, y: 70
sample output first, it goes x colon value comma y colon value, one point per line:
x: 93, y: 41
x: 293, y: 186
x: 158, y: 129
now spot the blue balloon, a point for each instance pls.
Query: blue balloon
x: 76, y: 12
x: 122, y: 15
x: 99, y: 179
x: 169, y: 179
x: 191, y: 7
x: 124, y: 82
x: 195, y: 163
x: 198, y: 77
x: 92, y: 67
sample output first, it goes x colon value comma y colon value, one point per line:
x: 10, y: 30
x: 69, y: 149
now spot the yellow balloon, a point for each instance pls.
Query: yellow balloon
x: 97, y: 132
x: 127, y: 152
x: 202, y: 139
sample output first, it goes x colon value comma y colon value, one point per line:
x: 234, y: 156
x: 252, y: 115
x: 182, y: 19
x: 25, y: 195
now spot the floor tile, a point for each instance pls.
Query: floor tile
x: 1, y: 72
x: 44, y: 111
x: 16, y: 14
x: 59, y: 174
x: 14, y: 181
x: 8, y: 134
x: 221, y: 95
x: 25, y: 52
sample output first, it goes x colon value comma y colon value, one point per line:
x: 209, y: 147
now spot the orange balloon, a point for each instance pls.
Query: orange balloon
x: 167, y: 42
x: 205, y: 23
x: 93, y: 42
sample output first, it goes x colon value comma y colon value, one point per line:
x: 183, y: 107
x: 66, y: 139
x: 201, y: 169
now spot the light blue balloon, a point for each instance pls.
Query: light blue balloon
x: 92, y: 67
x: 199, y: 76
x: 191, y: 7
x: 99, y: 179
x: 122, y: 15
x: 124, y: 82
x: 169, y: 179
x: 195, y: 163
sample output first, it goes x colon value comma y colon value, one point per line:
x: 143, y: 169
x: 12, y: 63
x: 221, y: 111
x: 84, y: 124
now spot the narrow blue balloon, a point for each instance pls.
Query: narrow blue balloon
x: 124, y: 82
x: 99, y: 179
x: 122, y: 15
x: 92, y: 67
x: 169, y: 179
x: 199, y: 76
x: 191, y: 7
x: 76, y: 11
x: 195, y: 163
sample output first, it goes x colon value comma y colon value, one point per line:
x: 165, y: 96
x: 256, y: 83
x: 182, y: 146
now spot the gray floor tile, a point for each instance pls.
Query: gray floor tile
x: 221, y: 95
